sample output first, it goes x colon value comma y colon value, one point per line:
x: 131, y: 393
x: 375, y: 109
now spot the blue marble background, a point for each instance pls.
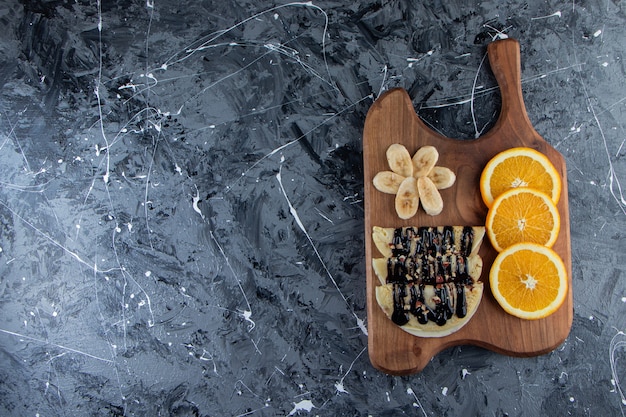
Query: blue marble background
x: 181, y: 202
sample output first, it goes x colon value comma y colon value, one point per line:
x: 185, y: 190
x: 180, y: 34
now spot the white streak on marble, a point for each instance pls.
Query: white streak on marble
x: 480, y: 91
x: 295, y: 55
x: 296, y: 140
x: 73, y: 254
x: 146, y: 188
x: 417, y: 403
x: 105, y: 177
x: 17, y: 142
x: 618, y: 342
x: 382, y: 84
x: 339, y: 384
x: 304, y: 405
x: 555, y: 14
x: 615, y: 187
x: 296, y: 217
x: 209, y: 39
x: 128, y: 277
x: 500, y: 34
x: 476, y: 131
x: 195, y: 201
x: 245, y: 314
x: 23, y: 337
x: 324, y: 216
x: 411, y: 61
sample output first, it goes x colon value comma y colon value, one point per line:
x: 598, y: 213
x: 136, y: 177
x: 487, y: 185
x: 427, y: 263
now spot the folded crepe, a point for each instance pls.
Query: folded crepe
x: 429, y: 277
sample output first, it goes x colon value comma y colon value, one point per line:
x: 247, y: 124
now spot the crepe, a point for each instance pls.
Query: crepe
x: 429, y: 277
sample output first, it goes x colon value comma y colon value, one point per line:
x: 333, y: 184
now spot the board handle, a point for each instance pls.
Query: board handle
x: 505, y: 61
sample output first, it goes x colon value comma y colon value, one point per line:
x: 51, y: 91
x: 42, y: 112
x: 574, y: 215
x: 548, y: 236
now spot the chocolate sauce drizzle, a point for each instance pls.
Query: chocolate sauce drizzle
x: 428, y: 256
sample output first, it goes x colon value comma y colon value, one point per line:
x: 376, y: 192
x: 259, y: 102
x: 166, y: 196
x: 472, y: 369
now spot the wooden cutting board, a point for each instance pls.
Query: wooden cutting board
x: 392, y: 119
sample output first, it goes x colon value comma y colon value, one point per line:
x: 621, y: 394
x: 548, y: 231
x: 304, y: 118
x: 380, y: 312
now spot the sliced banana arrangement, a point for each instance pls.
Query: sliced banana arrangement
x: 414, y: 180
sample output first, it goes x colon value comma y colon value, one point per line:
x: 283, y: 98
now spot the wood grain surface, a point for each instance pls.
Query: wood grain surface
x: 392, y: 119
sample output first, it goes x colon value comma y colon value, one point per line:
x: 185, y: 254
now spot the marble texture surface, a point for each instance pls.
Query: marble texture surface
x: 181, y: 212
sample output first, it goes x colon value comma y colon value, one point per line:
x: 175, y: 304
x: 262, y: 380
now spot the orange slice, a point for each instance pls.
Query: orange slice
x: 522, y: 215
x: 528, y: 280
x: 519, y: 167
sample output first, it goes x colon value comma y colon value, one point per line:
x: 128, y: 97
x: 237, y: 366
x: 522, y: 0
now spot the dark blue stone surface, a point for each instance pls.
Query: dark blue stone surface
x: 181, y: 214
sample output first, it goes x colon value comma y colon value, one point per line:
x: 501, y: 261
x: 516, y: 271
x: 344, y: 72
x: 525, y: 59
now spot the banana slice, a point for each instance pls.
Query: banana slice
x: 382, y: 239
x: 442, y: 177
x: 399, y: 160
x: 424, y: 160
x: 408, y: 199
x: 388, y: 182
x: 429, y: 196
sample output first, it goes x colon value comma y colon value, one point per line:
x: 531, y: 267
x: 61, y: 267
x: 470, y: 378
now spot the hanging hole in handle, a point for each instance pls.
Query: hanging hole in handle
x: 474, y: 107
